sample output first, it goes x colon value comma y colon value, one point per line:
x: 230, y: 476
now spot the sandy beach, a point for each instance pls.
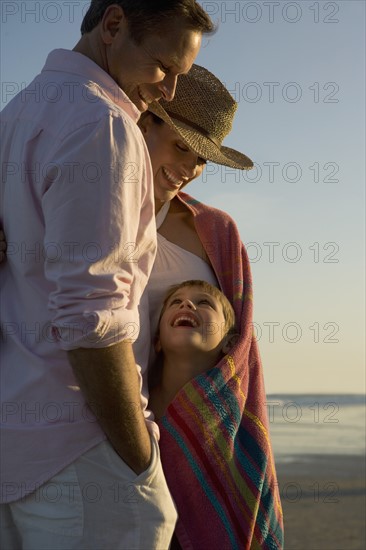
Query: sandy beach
x: 324, y: 502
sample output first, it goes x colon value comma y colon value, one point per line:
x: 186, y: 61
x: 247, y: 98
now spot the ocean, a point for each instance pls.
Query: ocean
x: 304, y: 425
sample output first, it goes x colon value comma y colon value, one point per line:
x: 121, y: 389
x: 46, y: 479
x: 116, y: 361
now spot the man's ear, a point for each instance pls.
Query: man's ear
x: 113, y: 20
x: 229, y: 342
x: 145, y: 122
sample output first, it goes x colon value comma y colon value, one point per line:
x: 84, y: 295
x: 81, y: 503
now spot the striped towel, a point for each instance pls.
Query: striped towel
x: 215, y: 445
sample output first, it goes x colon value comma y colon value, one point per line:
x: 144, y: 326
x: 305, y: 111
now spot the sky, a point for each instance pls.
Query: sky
x: 297, y: 71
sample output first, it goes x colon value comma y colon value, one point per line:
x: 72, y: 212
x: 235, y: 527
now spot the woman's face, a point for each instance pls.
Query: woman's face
x: 173, y: 163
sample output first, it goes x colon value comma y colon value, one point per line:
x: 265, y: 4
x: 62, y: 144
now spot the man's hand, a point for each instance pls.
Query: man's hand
x: 109, y: 380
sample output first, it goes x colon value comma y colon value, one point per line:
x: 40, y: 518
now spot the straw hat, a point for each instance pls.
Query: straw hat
x: 202, y: 113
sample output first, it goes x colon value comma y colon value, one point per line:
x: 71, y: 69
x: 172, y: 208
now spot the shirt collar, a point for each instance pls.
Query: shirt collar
x: 71, y: 62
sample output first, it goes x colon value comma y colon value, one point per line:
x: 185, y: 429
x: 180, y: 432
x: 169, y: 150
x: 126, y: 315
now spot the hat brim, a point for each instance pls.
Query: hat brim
x: 202, y: 145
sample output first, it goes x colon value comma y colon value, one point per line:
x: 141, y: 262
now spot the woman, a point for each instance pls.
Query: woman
x: 214, y: 441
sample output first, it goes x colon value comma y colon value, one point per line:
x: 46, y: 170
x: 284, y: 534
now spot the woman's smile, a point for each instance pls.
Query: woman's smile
x: 174, y: 180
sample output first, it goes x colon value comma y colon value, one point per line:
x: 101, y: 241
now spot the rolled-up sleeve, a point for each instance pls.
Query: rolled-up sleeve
x: 98, y: 255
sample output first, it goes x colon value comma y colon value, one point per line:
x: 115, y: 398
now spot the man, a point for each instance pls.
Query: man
x: 78, y: 203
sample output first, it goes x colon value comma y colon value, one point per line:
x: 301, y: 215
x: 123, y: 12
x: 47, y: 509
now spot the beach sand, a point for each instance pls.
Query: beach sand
x: 324, y: 502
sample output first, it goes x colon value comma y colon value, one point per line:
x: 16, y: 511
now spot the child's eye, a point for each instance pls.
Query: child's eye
x: 175, y: 301
x: 207, y: 302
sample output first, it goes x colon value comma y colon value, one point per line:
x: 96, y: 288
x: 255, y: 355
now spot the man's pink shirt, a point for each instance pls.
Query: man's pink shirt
x: 78, y: 215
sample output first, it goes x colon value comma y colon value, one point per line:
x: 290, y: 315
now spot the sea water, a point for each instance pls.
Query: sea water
x: 303, y: 425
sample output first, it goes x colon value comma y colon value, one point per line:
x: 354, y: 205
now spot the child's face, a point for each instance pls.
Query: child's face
x: 193, y: 319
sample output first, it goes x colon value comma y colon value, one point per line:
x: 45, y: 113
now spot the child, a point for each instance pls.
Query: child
x: 196, y: 328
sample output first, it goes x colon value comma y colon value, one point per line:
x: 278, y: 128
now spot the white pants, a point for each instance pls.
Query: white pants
x: 95, y: 503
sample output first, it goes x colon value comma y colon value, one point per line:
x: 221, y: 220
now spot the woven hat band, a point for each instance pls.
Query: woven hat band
x: 195, y: 126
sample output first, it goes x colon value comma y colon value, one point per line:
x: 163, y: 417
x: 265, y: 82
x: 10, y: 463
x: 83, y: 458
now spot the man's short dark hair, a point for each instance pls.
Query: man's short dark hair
x: 145, y: 16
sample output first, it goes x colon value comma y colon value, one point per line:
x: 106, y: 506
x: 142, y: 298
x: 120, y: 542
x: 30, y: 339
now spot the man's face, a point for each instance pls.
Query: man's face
x: 149, y: 71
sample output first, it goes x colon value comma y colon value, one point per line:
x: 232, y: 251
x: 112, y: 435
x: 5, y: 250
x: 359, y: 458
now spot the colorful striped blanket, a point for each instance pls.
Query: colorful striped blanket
x: 215, y: 445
